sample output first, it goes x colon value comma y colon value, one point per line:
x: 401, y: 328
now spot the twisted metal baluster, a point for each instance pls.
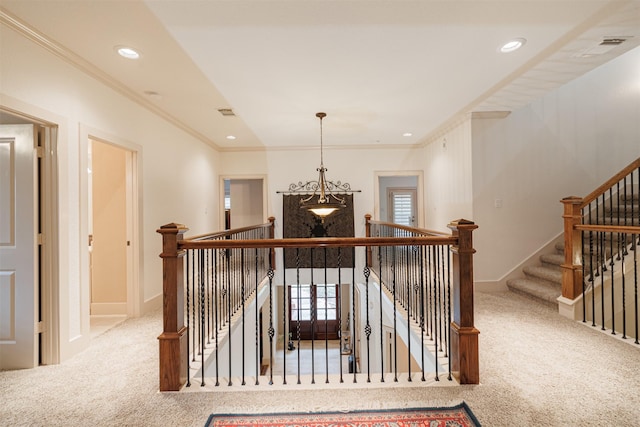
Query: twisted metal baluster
x: 367, y: 328
x: 189, y: 262
x: 353, y: 310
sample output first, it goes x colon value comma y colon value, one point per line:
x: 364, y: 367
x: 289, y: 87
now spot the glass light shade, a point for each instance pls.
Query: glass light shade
x: 323, y: 211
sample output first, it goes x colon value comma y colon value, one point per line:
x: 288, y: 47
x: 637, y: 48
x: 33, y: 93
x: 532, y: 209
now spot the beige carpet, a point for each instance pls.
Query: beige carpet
x: 537, y: 369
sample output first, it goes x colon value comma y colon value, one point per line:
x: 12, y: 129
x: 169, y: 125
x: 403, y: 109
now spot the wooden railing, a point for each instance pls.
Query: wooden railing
x: 178, y: 349
x: 588, y: 214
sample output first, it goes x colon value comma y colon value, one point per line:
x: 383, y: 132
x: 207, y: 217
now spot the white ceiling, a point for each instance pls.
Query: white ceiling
x: 377, y: 68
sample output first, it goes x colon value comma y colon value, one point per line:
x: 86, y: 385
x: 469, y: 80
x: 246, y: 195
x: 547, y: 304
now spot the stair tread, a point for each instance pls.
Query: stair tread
x: 555, y: 259
x: 545, y: 291
x: 544, y: 273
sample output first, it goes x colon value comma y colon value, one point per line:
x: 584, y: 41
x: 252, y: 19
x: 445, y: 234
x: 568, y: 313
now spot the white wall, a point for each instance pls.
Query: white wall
x: 447, y: 175
x: 564, y: 144
x: 178, y: 174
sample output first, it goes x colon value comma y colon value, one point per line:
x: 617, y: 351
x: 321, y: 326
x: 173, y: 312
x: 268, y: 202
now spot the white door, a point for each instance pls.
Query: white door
x: 18, y: 248
x: 402, y: 206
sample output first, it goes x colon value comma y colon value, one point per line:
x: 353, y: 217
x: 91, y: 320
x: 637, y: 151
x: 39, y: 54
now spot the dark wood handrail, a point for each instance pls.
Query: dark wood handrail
x: 610, y: 182
x: 315, y: 242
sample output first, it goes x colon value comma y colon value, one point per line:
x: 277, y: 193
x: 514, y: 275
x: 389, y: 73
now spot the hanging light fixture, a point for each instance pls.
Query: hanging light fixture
x: 327, y: 202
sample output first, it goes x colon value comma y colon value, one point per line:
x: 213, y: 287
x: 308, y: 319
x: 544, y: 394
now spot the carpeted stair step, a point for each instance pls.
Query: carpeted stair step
x: 541, y: 273
x: 552, y: 261
x: 544, y: 291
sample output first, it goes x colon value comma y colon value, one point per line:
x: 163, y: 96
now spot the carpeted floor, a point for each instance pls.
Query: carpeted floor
x: 537, y: 369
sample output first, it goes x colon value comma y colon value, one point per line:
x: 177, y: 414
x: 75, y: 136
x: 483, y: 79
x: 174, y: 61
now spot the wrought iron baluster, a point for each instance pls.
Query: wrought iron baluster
x: 209, y: 286
x: 635, y: 282
x: 367, y: 327
x: 202, y: 291
x: 299, y: 306
x: 229, y: 296
x: 258, y: 338
x: 354, y: 323
x: 188, y: 325
x: 448, y: 252
x: 379, y: 312
x: 436, y: 309
x: 339, y: 311
x: 395, y: 320
x: 624, y: 305
x: 422, y: 310
x: 326, y: 319
x: 285, y: 315
x: 601, y: 236
x: 272, y: 331
x: 216, y: 313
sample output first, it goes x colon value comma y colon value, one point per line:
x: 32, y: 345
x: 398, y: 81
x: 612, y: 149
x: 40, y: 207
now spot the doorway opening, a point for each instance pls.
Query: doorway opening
x: 244, y: 202
x: 398, y: 198
x: 111, y: 223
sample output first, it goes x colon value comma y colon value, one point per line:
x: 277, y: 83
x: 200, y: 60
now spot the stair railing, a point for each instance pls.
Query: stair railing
x: 601, y: 236
x: 210, y: 260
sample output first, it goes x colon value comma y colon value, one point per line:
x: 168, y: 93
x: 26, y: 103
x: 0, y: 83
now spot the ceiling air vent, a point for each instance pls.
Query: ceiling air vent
x: 613, y: 41
x: 226, y: 111
x: 607, y: 44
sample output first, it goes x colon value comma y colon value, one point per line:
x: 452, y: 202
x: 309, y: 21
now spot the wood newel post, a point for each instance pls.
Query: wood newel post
x: 572, y: 267
x: 173, y: 342
x: 367, y: 227
x: 272, y: 235
x: 464, y: 335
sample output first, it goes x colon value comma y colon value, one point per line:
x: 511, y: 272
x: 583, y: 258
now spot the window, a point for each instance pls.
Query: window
x: 402, y: 206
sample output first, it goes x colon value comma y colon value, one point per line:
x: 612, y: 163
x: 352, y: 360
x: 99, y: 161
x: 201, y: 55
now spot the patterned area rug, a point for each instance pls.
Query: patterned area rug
x: 455, y: 416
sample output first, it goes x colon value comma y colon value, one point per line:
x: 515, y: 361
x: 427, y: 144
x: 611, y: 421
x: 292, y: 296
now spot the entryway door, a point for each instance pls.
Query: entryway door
x: 19, y: 289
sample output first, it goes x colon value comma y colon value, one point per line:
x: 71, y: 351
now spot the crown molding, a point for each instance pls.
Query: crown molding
x: 88, y: 68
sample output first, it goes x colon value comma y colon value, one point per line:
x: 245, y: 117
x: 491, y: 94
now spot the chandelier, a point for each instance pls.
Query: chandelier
x: 327, y: 202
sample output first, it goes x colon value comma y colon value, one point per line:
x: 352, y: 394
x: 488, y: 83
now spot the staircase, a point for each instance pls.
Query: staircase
x: 544, y: 282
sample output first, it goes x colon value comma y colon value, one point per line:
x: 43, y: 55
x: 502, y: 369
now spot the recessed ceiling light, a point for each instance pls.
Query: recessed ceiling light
x: 127, y: 52
x: 407, y: 134
x: 231, y: 137
x: 512, y: 45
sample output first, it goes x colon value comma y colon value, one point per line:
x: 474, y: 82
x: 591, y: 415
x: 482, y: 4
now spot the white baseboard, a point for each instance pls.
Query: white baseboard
x: 108, y: 308
x: 152, y: 304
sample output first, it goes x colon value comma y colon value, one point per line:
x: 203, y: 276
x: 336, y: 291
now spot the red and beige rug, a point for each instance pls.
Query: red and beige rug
x: 454, y: 416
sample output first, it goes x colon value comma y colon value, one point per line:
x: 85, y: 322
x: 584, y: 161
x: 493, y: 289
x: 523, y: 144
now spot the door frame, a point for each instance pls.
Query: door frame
x: 419, y: 189
x: 135, y: 295
x: 49, y: 326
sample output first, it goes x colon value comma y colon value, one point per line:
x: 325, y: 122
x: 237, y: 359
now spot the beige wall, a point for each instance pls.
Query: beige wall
x: 108, y: 252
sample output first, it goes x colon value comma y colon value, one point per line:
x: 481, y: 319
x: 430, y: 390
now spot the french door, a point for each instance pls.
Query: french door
x: 313, y: 312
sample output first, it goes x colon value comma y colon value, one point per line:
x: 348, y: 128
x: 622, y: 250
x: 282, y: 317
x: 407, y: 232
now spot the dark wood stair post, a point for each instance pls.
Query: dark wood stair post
x: 173, y: 341
x: 572, y: 266
x: 464, y: 335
